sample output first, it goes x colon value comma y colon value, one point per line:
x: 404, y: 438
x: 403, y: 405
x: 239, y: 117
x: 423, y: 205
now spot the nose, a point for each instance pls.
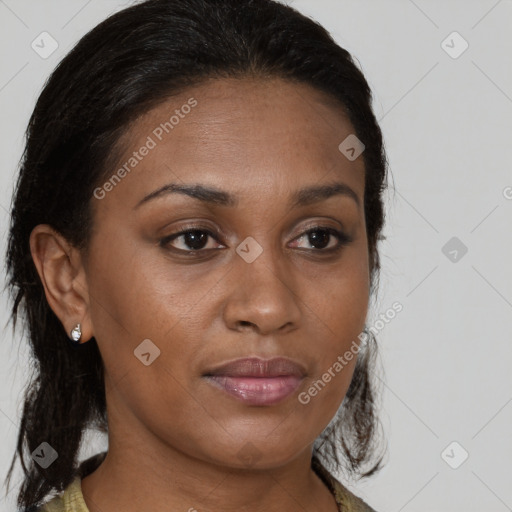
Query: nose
x: 263, y: 295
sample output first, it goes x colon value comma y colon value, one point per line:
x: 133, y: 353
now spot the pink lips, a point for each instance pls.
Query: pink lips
x: 258, y: 381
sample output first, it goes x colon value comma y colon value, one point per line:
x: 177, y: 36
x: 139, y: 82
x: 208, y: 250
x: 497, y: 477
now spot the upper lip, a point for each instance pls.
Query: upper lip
x: 257, y: 367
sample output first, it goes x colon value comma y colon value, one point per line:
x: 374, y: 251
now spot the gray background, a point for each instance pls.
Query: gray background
x: 447, y: 123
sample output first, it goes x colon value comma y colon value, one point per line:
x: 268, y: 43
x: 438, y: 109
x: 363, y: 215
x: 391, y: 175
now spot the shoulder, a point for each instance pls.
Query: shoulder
x: 70, y: 500
x: 346, y: 500
x: 350, y: 501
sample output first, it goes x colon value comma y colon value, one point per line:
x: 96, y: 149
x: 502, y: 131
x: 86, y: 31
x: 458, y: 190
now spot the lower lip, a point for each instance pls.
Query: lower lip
x: 257, y: 390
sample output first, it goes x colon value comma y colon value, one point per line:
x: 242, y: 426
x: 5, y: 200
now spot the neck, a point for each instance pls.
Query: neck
x: 134, y: 479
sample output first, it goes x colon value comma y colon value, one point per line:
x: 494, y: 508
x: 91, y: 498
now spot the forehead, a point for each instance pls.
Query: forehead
x: 249, y: 109
x: 238, y: 134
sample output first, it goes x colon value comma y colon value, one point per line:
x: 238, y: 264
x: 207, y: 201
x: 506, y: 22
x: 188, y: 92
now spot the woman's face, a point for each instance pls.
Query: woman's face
x: 167, y: 311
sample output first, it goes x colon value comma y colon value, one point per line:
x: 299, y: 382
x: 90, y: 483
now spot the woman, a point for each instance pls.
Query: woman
x: 194, y: 244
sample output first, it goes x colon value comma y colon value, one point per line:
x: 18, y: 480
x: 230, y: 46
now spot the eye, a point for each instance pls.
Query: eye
x: 320, y: 236
x: 194, y: 239
x: 190, y: 239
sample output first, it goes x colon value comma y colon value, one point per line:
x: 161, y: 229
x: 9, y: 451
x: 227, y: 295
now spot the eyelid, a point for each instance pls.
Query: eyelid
x: 320, y: 224
x: 216, y: 232
x: 326, y: 223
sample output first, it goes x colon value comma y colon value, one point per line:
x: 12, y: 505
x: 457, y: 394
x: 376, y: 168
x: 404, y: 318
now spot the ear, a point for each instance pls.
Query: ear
x: 61, y: 270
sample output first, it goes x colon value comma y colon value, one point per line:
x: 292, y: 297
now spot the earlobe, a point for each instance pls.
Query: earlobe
x: 60, y: 269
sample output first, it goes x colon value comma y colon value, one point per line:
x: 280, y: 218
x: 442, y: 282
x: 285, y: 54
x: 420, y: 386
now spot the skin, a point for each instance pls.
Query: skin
x: 175, y: 440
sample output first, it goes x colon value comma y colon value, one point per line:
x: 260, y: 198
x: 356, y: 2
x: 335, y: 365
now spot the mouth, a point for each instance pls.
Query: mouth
x: 257, y: 381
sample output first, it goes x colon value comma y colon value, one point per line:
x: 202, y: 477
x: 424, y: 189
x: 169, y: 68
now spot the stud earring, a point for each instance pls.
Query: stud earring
x: 76, y: 334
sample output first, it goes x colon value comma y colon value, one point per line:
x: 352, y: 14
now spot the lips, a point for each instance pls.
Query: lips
x: 258, y: 382
x: 256, y: 367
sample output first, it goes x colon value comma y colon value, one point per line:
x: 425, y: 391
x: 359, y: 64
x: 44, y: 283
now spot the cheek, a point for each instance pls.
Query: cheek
x: 134, y: 300
x: 340, y: 303
x: 137, y: 294
x: 337, y: 341
x: 346, y: 298
x: 340, y: 297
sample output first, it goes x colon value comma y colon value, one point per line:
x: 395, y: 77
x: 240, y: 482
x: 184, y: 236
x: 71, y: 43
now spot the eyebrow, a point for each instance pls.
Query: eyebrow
x: 215, y: 196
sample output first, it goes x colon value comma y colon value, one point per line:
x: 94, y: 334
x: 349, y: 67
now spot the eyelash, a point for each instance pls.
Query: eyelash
x: 343, y: 239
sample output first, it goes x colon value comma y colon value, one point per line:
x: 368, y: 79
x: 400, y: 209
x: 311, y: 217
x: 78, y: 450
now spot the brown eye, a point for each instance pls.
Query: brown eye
x: 319, y: 238
x: 190, y: 239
